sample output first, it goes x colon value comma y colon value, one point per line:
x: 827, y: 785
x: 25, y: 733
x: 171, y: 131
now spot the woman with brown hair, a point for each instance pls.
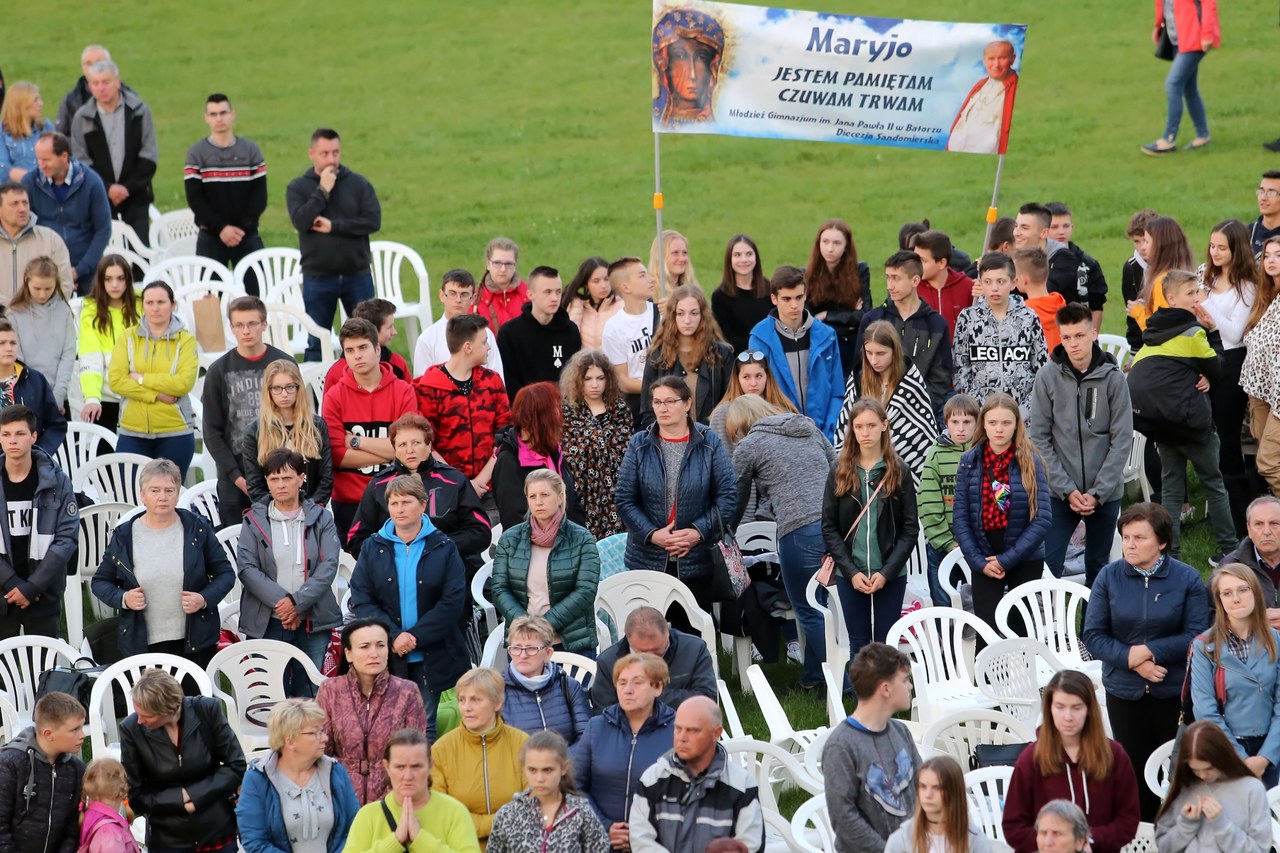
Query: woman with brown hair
x: 1073, y: 759
x: 1215, y: 803
x: 688, y: 344
x: 597, y: 427
x: 110, y: 308
x: 941, y: 819
x: 1244, y: 647
x: 531, y: 442
x: 839, y: 286
x: 1168, y: 250
x: 742, y: 299
x: 1260, y: 372
x: 749, y: 374
x: 869, y: 526
x: 590, y: 300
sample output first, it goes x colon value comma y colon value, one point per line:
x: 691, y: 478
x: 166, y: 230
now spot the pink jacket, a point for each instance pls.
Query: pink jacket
x: 1194, y: 30
x: 105, y: 831
x: 590, y: 321
x: 359, y: 728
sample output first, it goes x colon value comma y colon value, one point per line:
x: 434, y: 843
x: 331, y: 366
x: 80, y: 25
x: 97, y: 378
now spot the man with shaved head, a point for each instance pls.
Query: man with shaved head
x: 982, y: 124
x: 693, y: 794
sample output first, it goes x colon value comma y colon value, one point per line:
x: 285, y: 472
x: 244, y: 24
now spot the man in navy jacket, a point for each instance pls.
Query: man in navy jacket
x: 70, y: 198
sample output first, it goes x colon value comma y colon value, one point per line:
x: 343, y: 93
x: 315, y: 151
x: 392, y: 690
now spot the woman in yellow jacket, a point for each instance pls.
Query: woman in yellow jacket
x: 109, y: 310
x: 153, y: 369
x: 478, y: 763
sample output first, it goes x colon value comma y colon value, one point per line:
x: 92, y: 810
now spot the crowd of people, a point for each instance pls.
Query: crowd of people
x: 972, y: 407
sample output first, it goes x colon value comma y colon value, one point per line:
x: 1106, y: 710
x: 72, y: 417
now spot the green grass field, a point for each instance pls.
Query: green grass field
x: 531, y: 120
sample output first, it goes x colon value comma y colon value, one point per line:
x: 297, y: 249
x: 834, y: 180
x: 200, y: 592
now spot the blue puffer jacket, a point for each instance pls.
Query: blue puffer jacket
x: 1165, y: 612
x: 706, y: 496
x: 1252, y: 708
x: 824, y: 394
x: 608, y: 760
x: 83, y: 220
x: 560, y: 706
x: 258, y: 808
x: 1023, y: 538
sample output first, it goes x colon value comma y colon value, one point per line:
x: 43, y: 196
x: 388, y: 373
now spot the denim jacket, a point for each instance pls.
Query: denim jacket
x: 1252, y: 708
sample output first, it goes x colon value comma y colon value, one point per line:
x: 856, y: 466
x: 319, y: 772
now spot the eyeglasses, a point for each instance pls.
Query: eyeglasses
x: 291, y: 388
x: 246, y: 327
x: 455, y: 296
x: 525, y: 651
x: 751, y: 356
x: 1242, y: 592
x: 666, y: 404
x: 317, y: 733
x: 1267, y: 192
x: 503, y: 264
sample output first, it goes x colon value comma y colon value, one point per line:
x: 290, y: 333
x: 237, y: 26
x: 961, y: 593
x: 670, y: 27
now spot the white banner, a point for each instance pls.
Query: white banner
x: 757, y: 71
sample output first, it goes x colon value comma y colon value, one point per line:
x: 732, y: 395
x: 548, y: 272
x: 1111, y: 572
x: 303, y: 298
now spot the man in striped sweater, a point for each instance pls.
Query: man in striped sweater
x: 226, y: 182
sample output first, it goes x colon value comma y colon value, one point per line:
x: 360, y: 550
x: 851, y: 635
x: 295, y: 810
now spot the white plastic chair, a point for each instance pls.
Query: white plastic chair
x: 202, y: 498
x: 1157, y: 770
x: 313, y: 374
x: 388, y: 262
x: 834, y: 631
x: 732, y: 722
x: 773, y: 769
x: 1117, y: 346
x: 494, y: 654
x: 760, y: 540
x: 482, y: 576
x: 781, y: 732
x: 957, y: 734
x: 171, y: 226
x: 188, y: 294
x: 811, y: 829
x: 113, y: 477
x: 104, y: 728
x: 953, y: 564
x: 918, y: 573
x: 619, y: 595
x: 22, y: 659
x: 758, y: 536
x: 82, y: 444
x: 1144, y: 841
x: 1273, y: 802
x: 1134, y: 468
x: 124, y: 241
x: 1050, y: 611
x: 254, y: 671
x: 940, y: 668
x: 229, y: 539
x: 9, y: 727
x: 288, y: 328
x: 1010, y: 673
x: 986, y: 789
x: 578, y: 667
x: 836, y: 712
x: 191, y: 269
x: 271, y: 266
x: 97, y: 524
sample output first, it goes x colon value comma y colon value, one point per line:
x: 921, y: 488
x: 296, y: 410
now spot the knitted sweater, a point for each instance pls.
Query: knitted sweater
x: 937, y: 494
x: 870, y: 783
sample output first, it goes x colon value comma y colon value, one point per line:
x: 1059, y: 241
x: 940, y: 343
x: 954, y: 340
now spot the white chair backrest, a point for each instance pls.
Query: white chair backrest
x: 1145, y: 840
x: 1273, y: 802
x: 388, y: 262
x: 1010, y: 673
x: 954, y: 572
x: 732, y: 722
x: 288, y: 328
x: 1115, y: 345
x: 757, y: 536
x: 8, y: 720
x: 986, y: 789
x: 836, y: 712
x: 229, y: 539
x: 254, y: 671
x: 1156, y: 771
x: 84, y: 441
x: 113, y: 477
x: 781, y: 732
x: 494, y: 654
x: 957, y: 734
x: 313, y: 373
x: 22, y: 659
x: 97, y: 524
x: 811, y: 826
x: 191, y: 269
x: 834, y: 630
x: 271, y: 266
x: 771, y: 764
x: 1135, y: 465
x: 934, y: 637
x: 1051, y: 610
x: 124, y: 241
x: 186, y: 297
x: 482, y: 577
x: 171, y: 226
x: 617, y: 596
x: 578, y: 667
x: 918, y: 572
x: 119, y: 679
x: 202, y: 498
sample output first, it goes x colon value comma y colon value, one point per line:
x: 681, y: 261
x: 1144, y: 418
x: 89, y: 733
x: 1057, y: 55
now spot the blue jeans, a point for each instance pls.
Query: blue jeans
x: 800, y: 553
x: 430, y: 698
x: 320, y: 297
x: 1182, y: 83
x: 313, y: 644
x: 178, y: 449
x: 1099, y: 532
x: 862, y: 612
x: 936, y: 592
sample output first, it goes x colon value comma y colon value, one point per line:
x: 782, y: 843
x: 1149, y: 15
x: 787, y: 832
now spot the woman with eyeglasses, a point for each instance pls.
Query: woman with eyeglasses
x: 675, y: 492
x: 548, y: 566
x: 1260, y: 372
x: 540, y: 694
x: 688, y: 345
x: 597, y: 427
x: 296, y: 799
x: 285, y: 419
x: 742, y: 299
x: 590, y: 300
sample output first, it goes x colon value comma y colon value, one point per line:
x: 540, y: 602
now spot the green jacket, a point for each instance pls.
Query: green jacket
x: 938, y: 490
x: 573, y: 573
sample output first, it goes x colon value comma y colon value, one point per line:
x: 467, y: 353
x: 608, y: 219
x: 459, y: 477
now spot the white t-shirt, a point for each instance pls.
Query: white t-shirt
x: 627, y: 337
x: 432, y: 349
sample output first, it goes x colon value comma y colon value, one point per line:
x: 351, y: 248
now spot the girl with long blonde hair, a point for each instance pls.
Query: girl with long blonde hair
x: 21, y: 123
x: 286, y: 419
x: 671, y: 250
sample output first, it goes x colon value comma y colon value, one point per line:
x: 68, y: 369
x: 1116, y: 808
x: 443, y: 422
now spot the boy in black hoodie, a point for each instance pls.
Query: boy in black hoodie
x: 536, y: 345
x: 40, y: 776
x: 1180, y: 356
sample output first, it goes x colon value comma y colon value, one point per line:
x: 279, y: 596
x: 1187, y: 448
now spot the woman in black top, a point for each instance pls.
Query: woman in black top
x: 742, y: 299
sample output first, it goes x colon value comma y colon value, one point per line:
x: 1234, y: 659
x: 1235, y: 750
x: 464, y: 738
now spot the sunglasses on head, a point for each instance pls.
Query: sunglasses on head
x: 751, y: 356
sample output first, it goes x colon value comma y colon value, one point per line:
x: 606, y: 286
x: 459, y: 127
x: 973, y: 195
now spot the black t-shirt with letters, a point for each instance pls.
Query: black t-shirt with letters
x: 19, y: 499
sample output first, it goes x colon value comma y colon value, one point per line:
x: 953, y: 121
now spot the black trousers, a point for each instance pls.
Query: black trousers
x: 987, y: 591
x: 1141, y: 725
x: 210, y: 245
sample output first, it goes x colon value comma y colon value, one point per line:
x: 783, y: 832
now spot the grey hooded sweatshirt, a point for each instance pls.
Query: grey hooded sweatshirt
x: 47, y: 341
x: 769, y: 456
x: 1082, y: 424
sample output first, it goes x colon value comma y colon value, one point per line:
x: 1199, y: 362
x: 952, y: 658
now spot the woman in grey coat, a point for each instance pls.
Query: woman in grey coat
x: 288, y: 560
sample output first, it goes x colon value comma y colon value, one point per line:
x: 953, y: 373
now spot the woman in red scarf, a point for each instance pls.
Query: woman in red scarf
x: 548, y: 566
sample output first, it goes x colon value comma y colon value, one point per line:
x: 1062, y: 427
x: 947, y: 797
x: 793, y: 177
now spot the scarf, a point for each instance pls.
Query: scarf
x: 545, y: 536
x: 996, y: 489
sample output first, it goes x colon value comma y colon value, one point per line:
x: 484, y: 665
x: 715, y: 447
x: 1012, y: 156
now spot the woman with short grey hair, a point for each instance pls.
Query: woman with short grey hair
x: 162, y: 611
x: 1061, y: 827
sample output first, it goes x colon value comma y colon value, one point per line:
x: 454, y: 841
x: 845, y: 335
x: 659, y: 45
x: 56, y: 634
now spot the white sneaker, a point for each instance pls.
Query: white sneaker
x: 793, y: 652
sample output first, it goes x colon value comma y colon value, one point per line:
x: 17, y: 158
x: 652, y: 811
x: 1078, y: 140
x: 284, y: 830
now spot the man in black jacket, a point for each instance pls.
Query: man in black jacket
x: 114, y: 133
x: 334, y: 210
x: 536, y: 345
x: 687, y: 657
x: 40, y: 777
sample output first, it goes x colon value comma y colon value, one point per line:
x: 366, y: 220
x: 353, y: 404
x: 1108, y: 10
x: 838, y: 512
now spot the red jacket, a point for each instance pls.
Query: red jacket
x: 399, y: 367
x: 955, y: 296
x: 1111, y: 804
x: 350, y: 408
x: 1194, y: 30
x: 465, y: 424
x: 500, y: 306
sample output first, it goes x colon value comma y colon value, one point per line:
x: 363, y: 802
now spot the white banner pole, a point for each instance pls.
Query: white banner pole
x: 657, y: 209
x: 993, y: 212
